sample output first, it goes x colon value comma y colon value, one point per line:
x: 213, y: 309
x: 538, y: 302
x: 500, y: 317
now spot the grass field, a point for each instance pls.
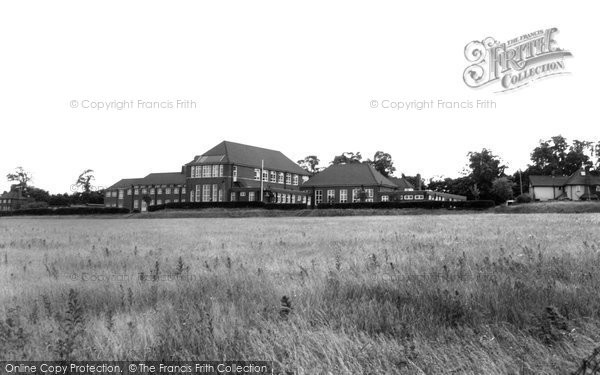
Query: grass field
x: 469, y: 293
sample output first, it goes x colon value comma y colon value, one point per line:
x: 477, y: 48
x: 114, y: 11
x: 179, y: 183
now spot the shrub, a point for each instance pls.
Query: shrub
x: 66, y: 211
x: 524, y: 198
x: 201, y: 205
x: 458, y: 205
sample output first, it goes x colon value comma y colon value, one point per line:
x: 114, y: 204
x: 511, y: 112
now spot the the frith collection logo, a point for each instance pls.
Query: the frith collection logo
x: 516, y: 62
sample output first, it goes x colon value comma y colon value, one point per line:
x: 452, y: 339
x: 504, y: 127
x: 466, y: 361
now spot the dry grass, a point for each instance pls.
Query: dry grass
x: 482, y: 293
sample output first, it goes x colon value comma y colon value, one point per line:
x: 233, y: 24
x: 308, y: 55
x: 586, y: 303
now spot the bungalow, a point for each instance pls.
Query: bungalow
x: 578, y: 186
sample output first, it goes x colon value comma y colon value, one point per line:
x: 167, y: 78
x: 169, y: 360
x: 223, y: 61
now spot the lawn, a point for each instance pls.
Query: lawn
x: 469, y: 293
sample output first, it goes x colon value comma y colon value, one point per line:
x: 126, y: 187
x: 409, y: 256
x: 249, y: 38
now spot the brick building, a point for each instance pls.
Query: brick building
x: 158, y: 188
x: 227, y: 172
x: 13, y: 199
x: 361, y: 182
x: 237, y: 172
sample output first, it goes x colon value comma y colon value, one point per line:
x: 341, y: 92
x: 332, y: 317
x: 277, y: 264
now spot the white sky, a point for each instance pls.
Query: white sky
x: 293, y: 76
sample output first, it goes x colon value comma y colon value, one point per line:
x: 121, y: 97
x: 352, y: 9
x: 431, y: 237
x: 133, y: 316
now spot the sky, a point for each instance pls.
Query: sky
x: 299, y: 77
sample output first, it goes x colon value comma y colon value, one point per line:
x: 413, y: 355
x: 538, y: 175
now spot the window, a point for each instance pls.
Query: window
x: 318, y: 196
x: 192, y: 196
x: 206, y: 171
x: 273, y: 176
x: 121, y: 194
x: 234, y: 173
x: 205, y: 193
x: 215, y: 189
x: 136, y: 191
x: 215, y: 170
x: 408, y: 197
x: 183, y: 200
x: 304, y: 200
x: 114, y: 194
x: 136, y: 204
x: 128, y: 191
x: 152, y: 202
x: 288, y: 178
x: 168, y: 191
x: 278, y: 197
x: 176, y: 190
x: 280, y: 179
x: 265, y: 176
x: 167, y: 201
x: 232, y: 196
x: 598, y: 188
x: 288, y: 198
x: 159, y: 191
x: 578, y: 189
x: 293, y: 199
x: 257, y: 174
x: 152, y: 191
x: 385, y: 198
x: 176, y: 200
x: 198, y: 193
x: 343, y: 196
x: 296, y: 179
x: 242, y: 193
x: 221, y: 170
x: 330, y: 196
x: 355, y: 195
x: 192, y: 171
x: 183, y: 190
x: 220, y: 195
x: 159, y: 201
x: 369, y: 195
x: 144, y: 191
x: 251, y: 194
x: 419, y: 197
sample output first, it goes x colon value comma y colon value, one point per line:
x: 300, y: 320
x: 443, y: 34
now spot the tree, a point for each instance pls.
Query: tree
x: 347, y: 158
x: 85, y: 179
x: 21, y: 177
x: 485, y: 168
x: 310, y: 164
x: 502, y: 190
x: 382, y: 162
x: 556, y: 157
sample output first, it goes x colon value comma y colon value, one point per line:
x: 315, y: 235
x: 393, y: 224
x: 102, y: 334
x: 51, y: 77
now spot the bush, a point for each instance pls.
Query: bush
x: 66, y: 211
x: 201, y: 205
x: 458, y: 205
x: 524, y: 198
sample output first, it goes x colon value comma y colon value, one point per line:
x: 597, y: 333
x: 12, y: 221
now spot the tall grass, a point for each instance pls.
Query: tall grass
x: 493, y: 294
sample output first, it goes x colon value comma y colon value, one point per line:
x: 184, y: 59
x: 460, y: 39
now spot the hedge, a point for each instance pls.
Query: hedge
x: 201, y: 205
x: 454, y: 205
x: 66, y: 211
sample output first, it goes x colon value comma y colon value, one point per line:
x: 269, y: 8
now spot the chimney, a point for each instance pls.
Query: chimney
x: 418, y: 181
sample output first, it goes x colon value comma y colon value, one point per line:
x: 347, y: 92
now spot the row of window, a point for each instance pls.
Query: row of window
x: 343, y: 195
x: 278, y: 177
x: 4, y: 200
x: 207, y: 171
x: 121, y: 193
x: 207, y: 193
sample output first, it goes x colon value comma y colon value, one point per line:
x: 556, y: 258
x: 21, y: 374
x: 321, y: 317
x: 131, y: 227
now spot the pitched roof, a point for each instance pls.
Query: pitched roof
x: 168, y: 178
x: 547, y: 180
x: 580, y: 177
x: 401, y: 182
x: 354, y: 174
x: 12, y: 195
x: 251, y: 156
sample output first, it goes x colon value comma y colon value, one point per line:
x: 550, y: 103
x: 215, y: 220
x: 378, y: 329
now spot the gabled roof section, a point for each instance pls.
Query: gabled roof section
x: 353, y: 174
x: 124, y: 183
x: 401, y: 182
x: 548, y: 180
x: 168, y: 178
x: 250, y: 156
x: 581, y: 177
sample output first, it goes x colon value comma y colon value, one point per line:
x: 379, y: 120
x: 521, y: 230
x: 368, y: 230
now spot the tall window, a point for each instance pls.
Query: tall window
x: 215, y: 189
x: 369, y: 193
x: 220, y: 195
x: 251, y: 196
x: 192, y: 196
x: 135, y: 204
x: 183, y: 190
x: 288, y: 178
x: 193, y: 171
x: 232, y: 196
x: 221, y: 170
x: 280, y: 179
x: 318, y: 196
x: 152, y: 191
x: 128, y: 191
x: 167, y: 190
x: 257, y: 174
x: 234, y: 173
x: 273, y: 176
x: 206, y: 193
x: 198, y: 193
x: 385, y: 198
x: 355, y: 195
x: 206, y: 171
x: 265, y: 175
x: 159, y: 191
x: 296, y: 179
x: 330, y: 196
x: 121, y: 194
x: 343, y: 196
x: 136, y: 191
x: 176, y: 190
x: 144, y: 191
x: 215, y: 170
